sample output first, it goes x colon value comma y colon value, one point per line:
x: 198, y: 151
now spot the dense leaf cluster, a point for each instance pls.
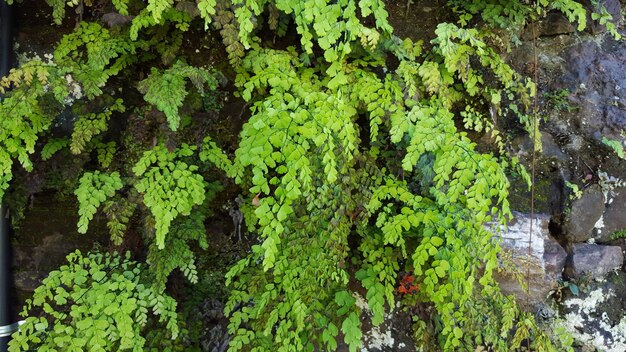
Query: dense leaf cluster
x: 97, y: 302
x: 353, y: 167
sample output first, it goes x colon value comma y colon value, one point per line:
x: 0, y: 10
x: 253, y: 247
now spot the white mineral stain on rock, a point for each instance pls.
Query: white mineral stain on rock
x: 604, y: 337
x: 599, y: 224
x: 378, y: 340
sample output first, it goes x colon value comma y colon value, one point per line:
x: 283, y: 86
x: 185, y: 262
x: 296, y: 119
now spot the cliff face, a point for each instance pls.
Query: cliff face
x: 578, y: 246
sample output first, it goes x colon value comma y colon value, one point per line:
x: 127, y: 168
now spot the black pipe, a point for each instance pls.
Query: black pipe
x: 8, y: 316
x: 6, y: 38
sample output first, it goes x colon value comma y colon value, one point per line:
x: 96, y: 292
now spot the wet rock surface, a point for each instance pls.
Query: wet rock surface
x: 554, y: 24
x: 614, y: 218
x: 596, y: 74
x: 581, y: 88
x: 584, y: 214
x: 545, y: 265
x: 594, y: 261
x: 595, y: 318
x: 42, y: 243
x: 215, y: 326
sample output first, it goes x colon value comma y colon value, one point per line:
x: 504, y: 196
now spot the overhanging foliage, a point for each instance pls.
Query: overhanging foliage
x: 353, y: 164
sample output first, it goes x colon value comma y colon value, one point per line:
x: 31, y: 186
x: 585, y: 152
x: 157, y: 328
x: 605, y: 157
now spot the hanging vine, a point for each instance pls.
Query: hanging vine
x: 353, y: 165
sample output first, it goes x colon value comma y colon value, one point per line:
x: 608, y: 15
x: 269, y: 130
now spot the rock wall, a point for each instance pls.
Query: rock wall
x: 577, y: 278
x: 582, y: 94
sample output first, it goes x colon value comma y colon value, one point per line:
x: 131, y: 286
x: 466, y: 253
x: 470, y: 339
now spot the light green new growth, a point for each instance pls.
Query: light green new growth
x: 106, y: 152
x: 90, y: 125
x: 97, y: 302
x: 170, y: 187
x: 353, y: 168
x: 94, y: 189
x: 616, y: 146
x: 53, y: 146
x: 167, y: 90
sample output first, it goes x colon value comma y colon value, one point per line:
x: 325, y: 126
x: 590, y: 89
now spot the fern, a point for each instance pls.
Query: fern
x: 93, y: 190
x: 157, y: 7
x: 207, y: 10
x: 58, y: 8
x: 53, y: 146
x: 170, y: 187
x: 515, y: 13
x: 215, y: 155
x: 310, y: 184
x: 177, y: 254
x: 24, y: 119
x: 118, y: 213
x: 121, y: 6
x: 146, y: 19
x: 225, y: 21
x: 572, y: 9
x: 94, y: 302
x: 95, y: 56
x: 106, y: 151
x: 167, y: 90
x: 333, y: 26
x: 92, y: 124
x: 605, y: 19
x: 353, y: 166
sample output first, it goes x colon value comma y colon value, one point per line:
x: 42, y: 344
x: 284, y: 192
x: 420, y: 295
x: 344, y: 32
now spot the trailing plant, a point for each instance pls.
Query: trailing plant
x: 53, y: 146
x: 576, y: 193
x: 166, y: 90
x: 353, y: 163
x: 615, y: 145
x: 97, y: 302
x: 301, y: 155
x: 170, y: 187
x: 92, y: 124
x: 118, y: 212
x: 618, y: 234
x: 19, y: 134
x: 604, y: 18
x: 177, y: 253
x: 94, y: 189
x: 558, y: 100
x: 504, y: 14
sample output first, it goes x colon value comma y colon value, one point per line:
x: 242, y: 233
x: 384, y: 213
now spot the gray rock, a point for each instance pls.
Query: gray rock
x: 592, y: 260
x: 584, y: 214
x: 114, y: 19
x: 215, y: 326
x: 550, y: 148
x: 545, y: 264
x: 555, y: 23
x: 596, y: 75
x: 614, y: 218
x: 28, y: 281
x: 595, y: 318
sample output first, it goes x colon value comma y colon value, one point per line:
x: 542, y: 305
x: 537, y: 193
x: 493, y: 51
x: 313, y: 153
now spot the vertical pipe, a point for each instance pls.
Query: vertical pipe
x: 8, y: 318
x: 6, y: 38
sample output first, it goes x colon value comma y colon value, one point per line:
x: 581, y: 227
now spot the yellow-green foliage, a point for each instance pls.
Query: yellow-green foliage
x: 352, y: 163
x: 89, y: 125
x: 166, y: 90
x: 170, y: 187
x: 94, y: 189
x: 97, y: 302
